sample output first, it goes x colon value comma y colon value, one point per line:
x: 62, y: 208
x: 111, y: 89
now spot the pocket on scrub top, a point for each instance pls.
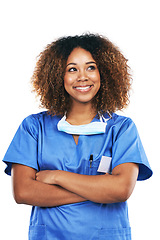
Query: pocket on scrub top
x: 98, y: 166
x: 115, y: 234
x: 91, y: 167
x: 37, y: 232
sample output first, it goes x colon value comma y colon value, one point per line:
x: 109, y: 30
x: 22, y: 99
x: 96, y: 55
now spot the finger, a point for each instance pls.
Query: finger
x: 36, y: 176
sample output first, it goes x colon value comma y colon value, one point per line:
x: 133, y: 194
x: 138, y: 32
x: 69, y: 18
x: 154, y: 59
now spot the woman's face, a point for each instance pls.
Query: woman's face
x: 82, y: 78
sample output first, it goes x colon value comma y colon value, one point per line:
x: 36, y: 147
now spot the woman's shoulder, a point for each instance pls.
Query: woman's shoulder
x: 38, y: 116
x: 119, y: 123
x: 117, y: 119
x: 41, y: 121
x: 36, y: 123
x: 41, y: 117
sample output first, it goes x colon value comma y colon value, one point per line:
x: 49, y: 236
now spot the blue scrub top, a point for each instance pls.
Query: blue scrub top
x: 39, y: 145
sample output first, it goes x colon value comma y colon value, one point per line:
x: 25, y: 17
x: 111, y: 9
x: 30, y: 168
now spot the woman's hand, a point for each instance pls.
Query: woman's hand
x: 36, y: 193
x: 47, y: 176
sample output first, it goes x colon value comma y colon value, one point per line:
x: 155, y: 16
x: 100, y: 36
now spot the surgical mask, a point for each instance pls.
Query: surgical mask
x: 87, y: 129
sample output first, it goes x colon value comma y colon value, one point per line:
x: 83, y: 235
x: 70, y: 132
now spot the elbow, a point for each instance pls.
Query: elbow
x: 124, y: 194
x: 21, y: 194
x: 18, y: 200
x: 120, y: 195
x: 18, y: 197
x: 124, y: 190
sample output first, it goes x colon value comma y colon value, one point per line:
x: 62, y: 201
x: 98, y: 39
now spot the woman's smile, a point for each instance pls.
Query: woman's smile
x: 83, y: 88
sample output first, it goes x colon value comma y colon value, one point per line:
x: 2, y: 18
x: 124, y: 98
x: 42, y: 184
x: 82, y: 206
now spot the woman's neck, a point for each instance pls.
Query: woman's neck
x: 81, y: 114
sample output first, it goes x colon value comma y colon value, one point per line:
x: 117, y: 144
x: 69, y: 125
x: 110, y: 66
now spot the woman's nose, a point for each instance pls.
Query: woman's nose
x: 82, y: 76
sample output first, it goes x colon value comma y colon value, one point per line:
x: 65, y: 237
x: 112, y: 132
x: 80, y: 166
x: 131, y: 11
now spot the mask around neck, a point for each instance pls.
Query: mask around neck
x: 86, y: 129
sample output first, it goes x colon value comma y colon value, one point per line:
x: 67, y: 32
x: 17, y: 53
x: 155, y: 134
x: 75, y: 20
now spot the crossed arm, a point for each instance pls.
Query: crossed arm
x: 53, y: 188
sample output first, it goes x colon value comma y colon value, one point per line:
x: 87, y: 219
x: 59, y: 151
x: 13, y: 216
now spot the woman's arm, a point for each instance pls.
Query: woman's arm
x: 100, y: 188
x: 29, y: 191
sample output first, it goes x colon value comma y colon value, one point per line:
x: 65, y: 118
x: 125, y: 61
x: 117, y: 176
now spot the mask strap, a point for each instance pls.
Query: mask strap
x: 65, y: 116
x: 110, y: 115
x: 102, y: 118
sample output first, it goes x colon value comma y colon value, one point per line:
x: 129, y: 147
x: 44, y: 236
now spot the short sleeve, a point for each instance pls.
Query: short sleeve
x: 23, y: 148
x: 127, y: 147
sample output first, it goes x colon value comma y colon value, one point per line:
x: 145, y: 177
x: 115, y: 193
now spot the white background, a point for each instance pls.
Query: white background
x: 26, y: 28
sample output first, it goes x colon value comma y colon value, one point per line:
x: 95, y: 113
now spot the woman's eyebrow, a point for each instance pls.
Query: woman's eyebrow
x: 76, y: 63
x: 71, y: 64
x: 90, y: 62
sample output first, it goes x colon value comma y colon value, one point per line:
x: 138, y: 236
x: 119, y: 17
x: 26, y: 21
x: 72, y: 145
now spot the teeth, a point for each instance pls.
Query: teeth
x: 83, y: 88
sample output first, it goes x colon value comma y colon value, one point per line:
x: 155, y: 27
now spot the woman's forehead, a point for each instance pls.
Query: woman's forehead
x: 79, y: 55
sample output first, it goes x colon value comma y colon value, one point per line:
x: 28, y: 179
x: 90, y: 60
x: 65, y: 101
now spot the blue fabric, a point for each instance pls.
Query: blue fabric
x: 39, y: 144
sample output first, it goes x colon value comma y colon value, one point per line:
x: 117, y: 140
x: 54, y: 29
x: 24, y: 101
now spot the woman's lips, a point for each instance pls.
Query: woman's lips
x: 83, y: 88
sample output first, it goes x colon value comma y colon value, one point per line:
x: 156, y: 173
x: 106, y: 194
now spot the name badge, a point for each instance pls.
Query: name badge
x: 105, y: 164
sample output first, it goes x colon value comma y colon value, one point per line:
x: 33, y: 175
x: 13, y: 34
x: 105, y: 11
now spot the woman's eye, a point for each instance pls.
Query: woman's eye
x: 72, y: 69
x: 91, y: 68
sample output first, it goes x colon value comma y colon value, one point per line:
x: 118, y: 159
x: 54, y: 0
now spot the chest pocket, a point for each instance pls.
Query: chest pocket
x: 98, y: 166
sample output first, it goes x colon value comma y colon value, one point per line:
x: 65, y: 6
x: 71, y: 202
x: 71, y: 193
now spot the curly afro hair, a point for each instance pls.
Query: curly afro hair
x: 48, y: 83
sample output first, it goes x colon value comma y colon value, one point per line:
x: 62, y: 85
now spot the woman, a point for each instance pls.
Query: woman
x: 78, y: 162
